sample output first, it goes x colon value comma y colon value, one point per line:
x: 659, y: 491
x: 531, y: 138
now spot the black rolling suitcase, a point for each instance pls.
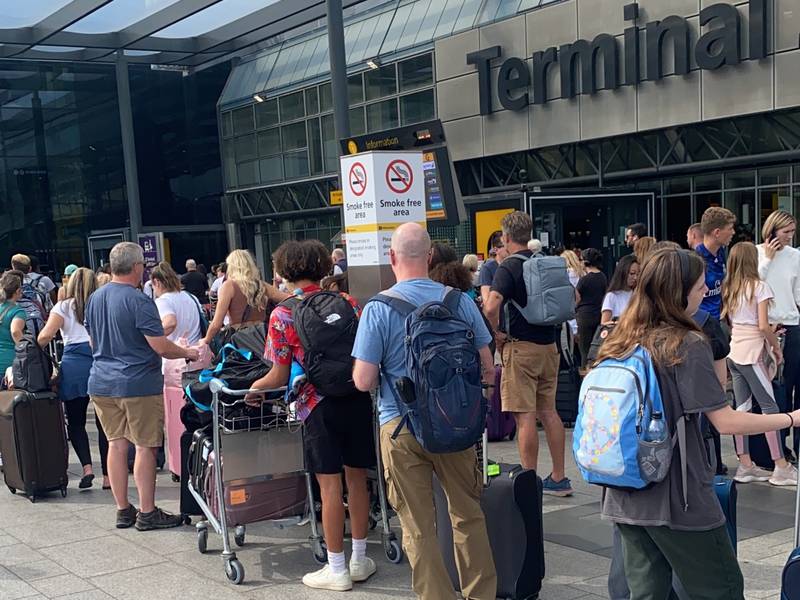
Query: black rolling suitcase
x: 189, y: 505
x: 569, y: 382
x: 33, y: 442
x: 512, y: 504
x: 790, y: 579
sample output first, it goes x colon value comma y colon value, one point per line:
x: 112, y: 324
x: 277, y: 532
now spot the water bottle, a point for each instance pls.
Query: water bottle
x: 657, y: 429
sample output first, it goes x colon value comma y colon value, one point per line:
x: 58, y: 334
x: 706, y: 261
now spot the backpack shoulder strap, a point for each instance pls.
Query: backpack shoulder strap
x: 522, y: 257
x: 452, y: 298
x: 394, y: 301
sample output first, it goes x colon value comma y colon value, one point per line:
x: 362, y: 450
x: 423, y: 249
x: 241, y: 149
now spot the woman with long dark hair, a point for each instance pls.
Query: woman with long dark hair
x: 620, y: 289
x: 668, y: 526
x: 591, y: 290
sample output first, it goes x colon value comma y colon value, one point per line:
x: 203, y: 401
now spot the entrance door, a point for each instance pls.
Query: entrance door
x: 100, y: 247
x: 589, y: 221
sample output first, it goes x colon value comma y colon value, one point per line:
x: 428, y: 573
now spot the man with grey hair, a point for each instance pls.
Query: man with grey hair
x: 339, y: 261
x: 379, y: 346
x: 535, y: 246
x: 195, y: 282
x: 530, y: 358
x: 126, y: 383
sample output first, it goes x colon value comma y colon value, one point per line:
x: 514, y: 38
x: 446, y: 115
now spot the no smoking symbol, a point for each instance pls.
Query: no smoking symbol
x: 399, y: 176
x: 357, y: 179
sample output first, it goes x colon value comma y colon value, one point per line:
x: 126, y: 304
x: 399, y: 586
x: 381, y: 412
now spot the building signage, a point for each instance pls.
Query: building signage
x: 383, y: 190
x: 153, y: 249
x: 719, y: 46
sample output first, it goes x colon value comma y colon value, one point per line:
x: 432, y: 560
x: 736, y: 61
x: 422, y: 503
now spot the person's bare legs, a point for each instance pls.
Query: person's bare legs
x: 118, y: 471
x: 357, y: 502
x: 556, y: 438
x: 144, y: 473
x: 527, y: 439
x: 330, y: 487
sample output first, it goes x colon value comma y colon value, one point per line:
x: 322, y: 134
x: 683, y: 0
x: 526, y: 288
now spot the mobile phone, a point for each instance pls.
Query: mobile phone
x: 772, y: 234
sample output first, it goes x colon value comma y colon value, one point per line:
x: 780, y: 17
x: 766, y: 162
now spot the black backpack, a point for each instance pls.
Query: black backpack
x: 326, y: 324
x: 32, y: 369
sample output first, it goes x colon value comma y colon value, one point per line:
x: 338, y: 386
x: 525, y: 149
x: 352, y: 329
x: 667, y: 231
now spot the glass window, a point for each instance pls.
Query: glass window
x: 227, y: 124
x: 382, y: 115
x: 774, y: 199
x: 246, y: 148
x: 380, y: 82
x: 704, y: 183
x: 267, y: 113
x: 740, y: 179
x: 681, y: 185
x: 325, y: 97
x: 271, y: 169
x: 704, y: 201
x: 248, y: 173
x: 294, y: 136
x: 743, y: 204
x: 416, y: 72
x: 229, y: 163
x: 774, y: 176
x: 292, y: 107
x: 416, y: 108
x: 357, y: 123
x: 329, y: 144
x: 243, y: 120
x: 296, y: 164
x: 355, y: 89
x: 269, y: 142
x: 312, y: 101
x: 678, y: 211
x: 315, y: 146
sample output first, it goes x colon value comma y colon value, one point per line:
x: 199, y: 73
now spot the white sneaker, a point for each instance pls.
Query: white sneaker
x: 362, y: 570
x: 786, y: 476
x: 325, y: 579
x: 751, y: 474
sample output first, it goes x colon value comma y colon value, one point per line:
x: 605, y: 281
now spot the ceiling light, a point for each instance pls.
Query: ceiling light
x: 257, y: 98
x: 373, y: 63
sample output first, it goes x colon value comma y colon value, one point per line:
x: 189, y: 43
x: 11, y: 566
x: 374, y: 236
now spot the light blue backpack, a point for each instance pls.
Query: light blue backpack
x: 617, y: 400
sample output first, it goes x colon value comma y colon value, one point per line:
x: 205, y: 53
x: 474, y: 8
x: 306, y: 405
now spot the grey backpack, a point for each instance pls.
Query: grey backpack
x: 551, y: 297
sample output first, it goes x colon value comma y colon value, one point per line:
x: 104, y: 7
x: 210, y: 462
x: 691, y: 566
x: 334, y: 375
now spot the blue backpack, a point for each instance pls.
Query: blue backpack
x: 441, y: 400
x: 617, y: 399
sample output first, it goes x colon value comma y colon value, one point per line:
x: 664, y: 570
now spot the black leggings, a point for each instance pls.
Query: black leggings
x: 75, y: 410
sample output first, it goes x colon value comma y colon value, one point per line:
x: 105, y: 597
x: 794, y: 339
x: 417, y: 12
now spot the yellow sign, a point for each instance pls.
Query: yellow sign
x: 352, y: 147
x: 336, y: 198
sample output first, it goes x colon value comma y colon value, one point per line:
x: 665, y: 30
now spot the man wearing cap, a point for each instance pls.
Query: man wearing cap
x: 62, y: 289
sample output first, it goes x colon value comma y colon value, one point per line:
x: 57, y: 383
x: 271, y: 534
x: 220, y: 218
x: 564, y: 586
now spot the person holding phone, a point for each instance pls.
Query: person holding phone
x: 779, y: 267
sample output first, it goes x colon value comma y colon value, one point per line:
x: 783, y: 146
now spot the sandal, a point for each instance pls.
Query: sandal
x: 86, y: 481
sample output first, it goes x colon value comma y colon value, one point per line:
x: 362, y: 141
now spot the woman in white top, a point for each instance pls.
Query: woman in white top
x: 179, y: 310
x: 623, y: 282
x: 575, y: 271
x: 67, y: 317
x: 755, y: 354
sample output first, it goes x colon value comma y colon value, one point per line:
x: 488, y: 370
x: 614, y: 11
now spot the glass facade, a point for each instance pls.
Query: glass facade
x: 62, y: 174
x: 292, y: 137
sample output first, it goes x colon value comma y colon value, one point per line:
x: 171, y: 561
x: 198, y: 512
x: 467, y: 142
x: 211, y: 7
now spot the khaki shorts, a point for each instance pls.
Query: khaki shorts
x: 530, y: 377
x: 138, y: 419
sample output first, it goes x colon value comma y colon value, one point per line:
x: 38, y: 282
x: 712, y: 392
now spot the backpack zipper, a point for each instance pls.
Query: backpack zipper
x: 640, y: 412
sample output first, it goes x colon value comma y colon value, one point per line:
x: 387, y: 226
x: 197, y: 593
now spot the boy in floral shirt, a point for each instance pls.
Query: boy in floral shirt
x: 338, y: 431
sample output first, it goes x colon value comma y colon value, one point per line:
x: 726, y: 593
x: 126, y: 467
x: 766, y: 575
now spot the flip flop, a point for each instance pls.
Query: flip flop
x: 86, y: 481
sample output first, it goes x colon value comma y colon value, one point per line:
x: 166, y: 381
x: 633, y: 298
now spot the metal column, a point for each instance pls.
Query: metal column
x: 128, y: 145
x: 341, y: 116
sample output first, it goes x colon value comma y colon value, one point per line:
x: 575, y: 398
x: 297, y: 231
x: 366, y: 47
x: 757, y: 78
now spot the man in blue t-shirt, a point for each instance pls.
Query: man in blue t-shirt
x: 718, y: 229
x: 497, y: 253
x: 379, y: 345
x: 126, y: 384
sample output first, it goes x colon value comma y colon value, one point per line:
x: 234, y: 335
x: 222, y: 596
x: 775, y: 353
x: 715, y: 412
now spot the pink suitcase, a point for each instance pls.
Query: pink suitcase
x: 258, y: 499
x: 173, y: 401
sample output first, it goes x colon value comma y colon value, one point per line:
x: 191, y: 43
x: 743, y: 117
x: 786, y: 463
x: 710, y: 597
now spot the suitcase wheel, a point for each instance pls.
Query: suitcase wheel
x: 202, y: 539
x: 320, y: 551
x: 234, y: 570
x: 64, y: 492
x: 394, y: 553
x: 11, y: 489
x: 238, y: 535
x: 176, y: 478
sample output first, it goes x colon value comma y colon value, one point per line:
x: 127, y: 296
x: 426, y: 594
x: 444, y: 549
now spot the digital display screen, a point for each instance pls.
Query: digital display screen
x: 434, y: 198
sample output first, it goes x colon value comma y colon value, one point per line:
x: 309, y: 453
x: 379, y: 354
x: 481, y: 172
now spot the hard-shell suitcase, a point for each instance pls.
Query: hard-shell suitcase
x: 188, y: 505
x: 257, y: 499
x: 569, y: 382
x: 499, y: 425
x: 727, y: 496
x: 512, y: 504
x: 790, y: 580
x: 33, y: 442
x: 173, y: 402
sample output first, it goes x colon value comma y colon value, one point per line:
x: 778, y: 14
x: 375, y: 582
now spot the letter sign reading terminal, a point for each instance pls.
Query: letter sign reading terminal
x: 579, y: 62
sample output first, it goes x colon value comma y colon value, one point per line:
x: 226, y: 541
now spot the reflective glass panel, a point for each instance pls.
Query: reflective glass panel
x: 743, y: 204
x: 227, y: 124
x: 269, y: 142
x: 295, y: 164
x: 380, y: 82
x: 271, y: 169
x: 325, y: 97
x: 248, y: 173
x: 243, y: 120
x: 246, y: 148
x: 357, y: 123
x: 292, y: 107
x: 416, y: 72
x: 294, y: 136
x: 212, y: 17
x: 266, y: 113
x: 312, y: 101
x: 418, y: 107
x: 315, y: 146
x: 740, y: 179
x: 773, y: 176
x: 382, y: 115
x: 329, y: 144
x: 355, y: 89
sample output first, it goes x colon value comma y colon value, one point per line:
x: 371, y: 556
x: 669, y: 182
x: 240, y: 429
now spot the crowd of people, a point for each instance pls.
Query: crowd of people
x: 713, y: 318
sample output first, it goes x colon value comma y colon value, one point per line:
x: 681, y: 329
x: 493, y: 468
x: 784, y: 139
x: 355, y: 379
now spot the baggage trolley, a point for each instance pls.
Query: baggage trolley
x: 243, y: 464
x: 391, y: 546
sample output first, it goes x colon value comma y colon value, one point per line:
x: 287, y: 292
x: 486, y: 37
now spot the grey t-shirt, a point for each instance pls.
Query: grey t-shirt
x: 118, y: 317
x: 689, y: 388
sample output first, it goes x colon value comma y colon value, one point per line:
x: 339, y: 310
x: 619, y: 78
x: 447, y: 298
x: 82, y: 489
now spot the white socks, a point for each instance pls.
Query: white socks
x: 336, y: 562
x: 359, y: 549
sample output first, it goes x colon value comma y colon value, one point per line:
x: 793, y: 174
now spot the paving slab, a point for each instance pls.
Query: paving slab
x: 62, y: 585
x: 99, y: 556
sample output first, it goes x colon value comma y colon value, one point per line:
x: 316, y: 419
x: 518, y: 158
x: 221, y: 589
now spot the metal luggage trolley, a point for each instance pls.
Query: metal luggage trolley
x: 249, y: 440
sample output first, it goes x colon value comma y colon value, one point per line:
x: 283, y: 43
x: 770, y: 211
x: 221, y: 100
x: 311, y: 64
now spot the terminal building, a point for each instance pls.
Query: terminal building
x: 590, y: 114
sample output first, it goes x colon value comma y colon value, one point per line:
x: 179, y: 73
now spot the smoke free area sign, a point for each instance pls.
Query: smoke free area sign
x: 382, y: 190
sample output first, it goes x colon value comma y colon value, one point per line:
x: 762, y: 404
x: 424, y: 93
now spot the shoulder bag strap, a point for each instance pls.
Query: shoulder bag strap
x: 452, y: 298
x: 397, y: 303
